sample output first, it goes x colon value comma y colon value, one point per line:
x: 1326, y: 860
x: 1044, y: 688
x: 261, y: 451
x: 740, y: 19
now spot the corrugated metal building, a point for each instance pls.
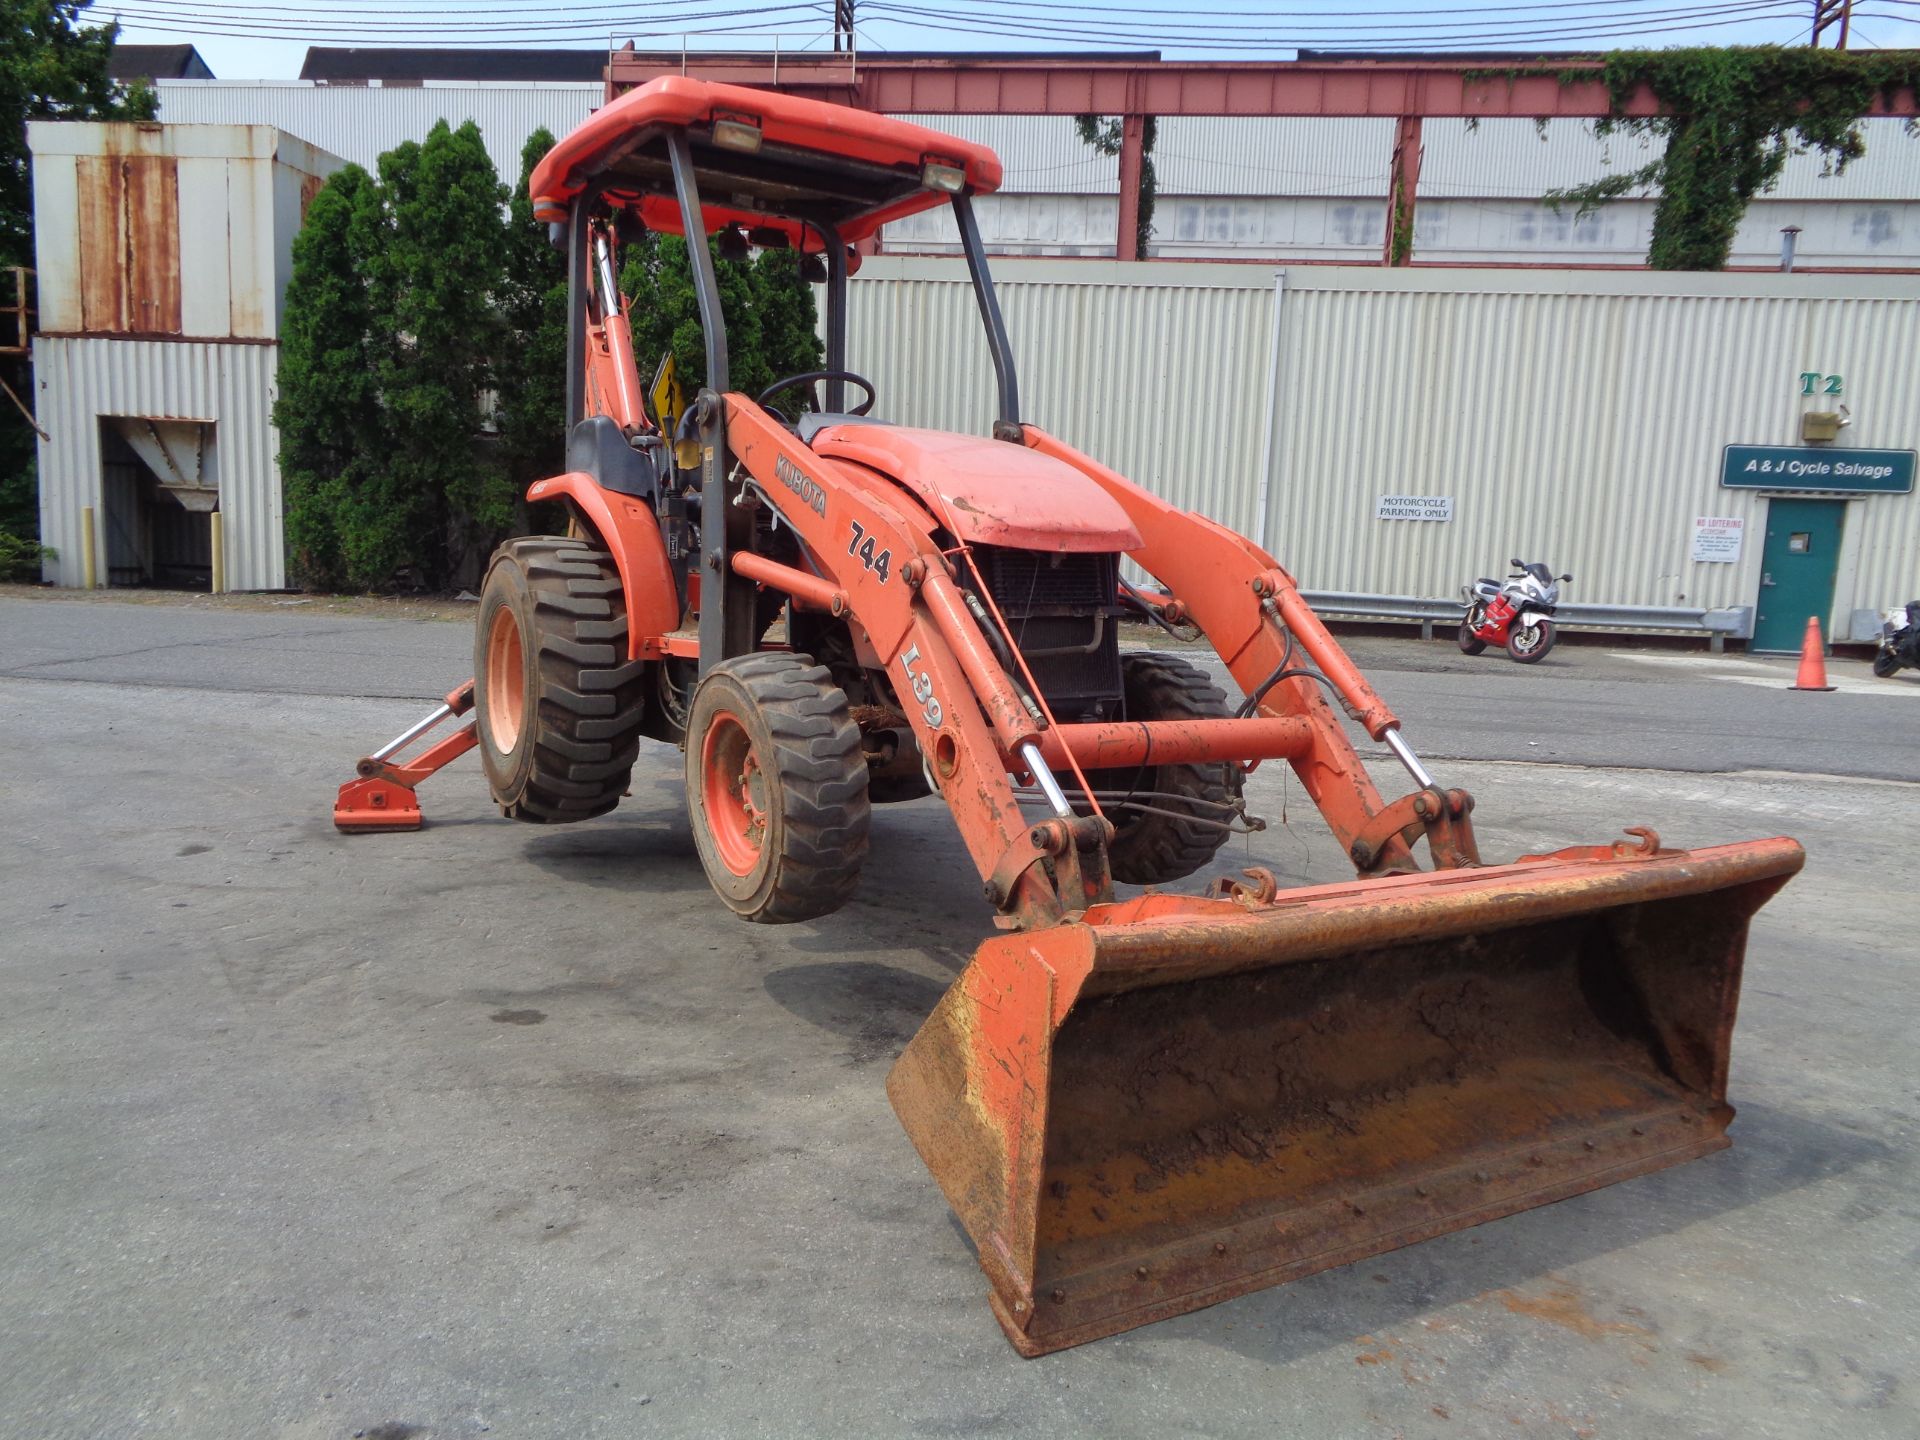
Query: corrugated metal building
x: 163, y: 256
x: 1229, y: 188
x: 1575, y: 417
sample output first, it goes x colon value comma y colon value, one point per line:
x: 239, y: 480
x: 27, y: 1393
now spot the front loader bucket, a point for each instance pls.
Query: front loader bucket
x: 1178, y: 1100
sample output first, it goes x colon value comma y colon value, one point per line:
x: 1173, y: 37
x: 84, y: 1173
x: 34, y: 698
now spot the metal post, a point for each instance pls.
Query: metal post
x: 89, y: 566
x: 1402, y: 187
x: 1261, y: 527
x: 1789, y: 241
x: 218, y: 535
x: 1133, y: 133
x: 997, y: 342
x: 836, y: 315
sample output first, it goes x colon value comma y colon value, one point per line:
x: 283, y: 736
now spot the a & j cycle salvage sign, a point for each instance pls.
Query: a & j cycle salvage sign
x: 1809, y: 467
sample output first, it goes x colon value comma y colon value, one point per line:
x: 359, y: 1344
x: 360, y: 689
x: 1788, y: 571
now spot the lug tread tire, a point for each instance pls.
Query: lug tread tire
x: 573, y: 758
x: 1152, y: 849
x: 817, y: 783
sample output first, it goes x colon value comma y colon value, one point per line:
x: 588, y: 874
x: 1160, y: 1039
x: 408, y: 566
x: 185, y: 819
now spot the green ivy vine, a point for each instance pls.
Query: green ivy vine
x: 1731, y: 118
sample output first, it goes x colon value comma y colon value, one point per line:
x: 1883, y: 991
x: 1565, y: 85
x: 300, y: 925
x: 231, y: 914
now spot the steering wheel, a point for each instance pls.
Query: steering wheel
x: 812, y: 377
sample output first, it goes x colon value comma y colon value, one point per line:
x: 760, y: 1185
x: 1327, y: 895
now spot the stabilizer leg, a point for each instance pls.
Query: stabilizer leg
x: 382, y: 798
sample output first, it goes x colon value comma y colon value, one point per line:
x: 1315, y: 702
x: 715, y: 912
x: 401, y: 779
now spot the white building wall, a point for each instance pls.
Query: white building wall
x: 1577, y: 417
x: 362, y: 122
x: 77, y: 381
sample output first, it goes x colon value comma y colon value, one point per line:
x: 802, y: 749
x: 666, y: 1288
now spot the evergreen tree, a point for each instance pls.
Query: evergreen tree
x: 533, y: 360
x: 772, y: 318
x: 436, y: 286
x: 328, y: 412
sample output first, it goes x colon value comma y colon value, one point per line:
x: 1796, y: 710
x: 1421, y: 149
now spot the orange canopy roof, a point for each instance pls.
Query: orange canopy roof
x: 819, y: 163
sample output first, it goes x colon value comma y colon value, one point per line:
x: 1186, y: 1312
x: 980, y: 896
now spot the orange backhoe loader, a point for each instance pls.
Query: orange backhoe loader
x: 1136, y: 1103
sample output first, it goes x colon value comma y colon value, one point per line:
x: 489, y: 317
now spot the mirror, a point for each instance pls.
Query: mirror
x: 1568, y: 579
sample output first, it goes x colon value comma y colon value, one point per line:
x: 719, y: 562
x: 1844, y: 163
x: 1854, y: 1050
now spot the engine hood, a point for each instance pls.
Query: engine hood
x: 990, y: 492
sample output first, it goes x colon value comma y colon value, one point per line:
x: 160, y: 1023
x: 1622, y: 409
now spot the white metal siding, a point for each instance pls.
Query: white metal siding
x: 1576, y: 417
x: 76, y: 381
x: 360, y: 123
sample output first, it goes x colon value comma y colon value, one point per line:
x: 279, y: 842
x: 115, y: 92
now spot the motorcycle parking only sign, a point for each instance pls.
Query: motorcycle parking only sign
x: 1414, y: 507
x: 1716, y: 538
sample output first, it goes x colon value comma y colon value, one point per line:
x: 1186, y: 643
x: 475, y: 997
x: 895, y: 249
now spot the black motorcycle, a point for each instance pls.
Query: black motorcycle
x: 1899, y: 641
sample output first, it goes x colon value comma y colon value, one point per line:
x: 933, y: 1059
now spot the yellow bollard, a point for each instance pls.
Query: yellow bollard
x: 89, y: 571
x: 219, y: 553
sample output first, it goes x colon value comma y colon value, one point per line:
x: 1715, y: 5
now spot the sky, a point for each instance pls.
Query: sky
x: 267, y: 39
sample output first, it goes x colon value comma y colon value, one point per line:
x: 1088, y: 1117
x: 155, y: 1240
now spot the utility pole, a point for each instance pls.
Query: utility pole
x: 1826, y: 15
x: 843, y: 25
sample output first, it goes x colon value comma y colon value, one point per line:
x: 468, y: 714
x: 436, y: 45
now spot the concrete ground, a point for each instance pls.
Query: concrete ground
x: 492, y: 1129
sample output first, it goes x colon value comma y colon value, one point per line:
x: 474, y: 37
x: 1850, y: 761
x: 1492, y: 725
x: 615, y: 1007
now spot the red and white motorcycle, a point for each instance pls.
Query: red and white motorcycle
x: 1517, y: 614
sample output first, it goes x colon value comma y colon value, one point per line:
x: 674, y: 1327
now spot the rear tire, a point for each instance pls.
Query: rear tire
x: 776, y: 788
x: 1527, y: 647
x: 1152, y: 848
x: 557, y: 704
x: 1470, y: 643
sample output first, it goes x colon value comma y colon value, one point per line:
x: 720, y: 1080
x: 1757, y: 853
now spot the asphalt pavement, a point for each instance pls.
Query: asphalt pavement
x: 499, y: 1130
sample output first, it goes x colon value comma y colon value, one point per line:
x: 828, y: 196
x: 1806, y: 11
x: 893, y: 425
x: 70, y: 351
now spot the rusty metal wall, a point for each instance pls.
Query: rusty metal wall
x: 179, y: 230
x: 79, y: 380
x: 1576, y: 416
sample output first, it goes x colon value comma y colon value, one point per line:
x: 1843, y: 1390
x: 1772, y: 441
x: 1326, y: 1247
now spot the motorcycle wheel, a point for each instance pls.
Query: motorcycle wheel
x: 1470, y: 643
x: 1886, y: 665
x: 1525, y: 646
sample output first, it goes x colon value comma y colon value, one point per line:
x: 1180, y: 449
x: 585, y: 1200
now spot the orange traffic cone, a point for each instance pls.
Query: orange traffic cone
x: 1813, y: 660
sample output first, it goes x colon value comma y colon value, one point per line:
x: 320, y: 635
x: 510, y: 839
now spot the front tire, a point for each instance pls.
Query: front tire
x: 1183, y: 831
x: 557, y: 704
x: 1528, y: 646
x: 776, y: 788
x: 1886, y: 665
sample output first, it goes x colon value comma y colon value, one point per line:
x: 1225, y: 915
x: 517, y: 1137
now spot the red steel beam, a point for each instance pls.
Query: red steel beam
x: 1041, y: 86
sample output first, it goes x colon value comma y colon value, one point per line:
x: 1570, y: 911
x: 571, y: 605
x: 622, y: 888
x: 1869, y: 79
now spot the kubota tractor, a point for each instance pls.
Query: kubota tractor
x: 1136, y: 1103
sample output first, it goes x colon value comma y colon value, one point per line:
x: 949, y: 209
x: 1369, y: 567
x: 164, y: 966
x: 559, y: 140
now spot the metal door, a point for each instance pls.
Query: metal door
x: 1797, y: 567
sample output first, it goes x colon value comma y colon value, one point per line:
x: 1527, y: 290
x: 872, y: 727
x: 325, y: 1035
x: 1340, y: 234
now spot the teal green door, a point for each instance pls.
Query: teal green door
x: 1797, y: 566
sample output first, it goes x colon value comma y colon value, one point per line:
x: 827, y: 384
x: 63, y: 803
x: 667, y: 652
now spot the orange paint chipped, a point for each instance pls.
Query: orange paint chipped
x: 1713, y: 1364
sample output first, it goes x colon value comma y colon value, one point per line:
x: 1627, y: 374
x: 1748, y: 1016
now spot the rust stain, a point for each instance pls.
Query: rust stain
x: 1712, y: 1364
x: 1562, y: 1305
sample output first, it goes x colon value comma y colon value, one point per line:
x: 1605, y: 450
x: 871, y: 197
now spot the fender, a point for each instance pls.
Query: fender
x: 632, y: 536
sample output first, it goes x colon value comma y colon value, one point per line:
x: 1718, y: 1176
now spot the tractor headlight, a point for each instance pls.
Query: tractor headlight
x: 938, y: 175
x: 736, y: 133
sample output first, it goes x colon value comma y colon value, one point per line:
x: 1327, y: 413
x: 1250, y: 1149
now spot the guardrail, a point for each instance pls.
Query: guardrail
x: 1717, y: 625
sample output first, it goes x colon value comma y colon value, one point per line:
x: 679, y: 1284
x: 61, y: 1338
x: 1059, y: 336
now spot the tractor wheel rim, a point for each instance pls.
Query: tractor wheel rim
x: 506, y: 680
x: 733, y: 794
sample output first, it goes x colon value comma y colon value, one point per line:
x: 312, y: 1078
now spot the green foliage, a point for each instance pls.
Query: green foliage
x: 532, y: 366
x: 772, y: 319
x: 20, y: 557
x: 1105, y: 137
x: 394, y: 310
x: 437, y: 281
x: 416, y: 294
x: 51, y: 68
x: 329, y: 413
x: 1733, y: 116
